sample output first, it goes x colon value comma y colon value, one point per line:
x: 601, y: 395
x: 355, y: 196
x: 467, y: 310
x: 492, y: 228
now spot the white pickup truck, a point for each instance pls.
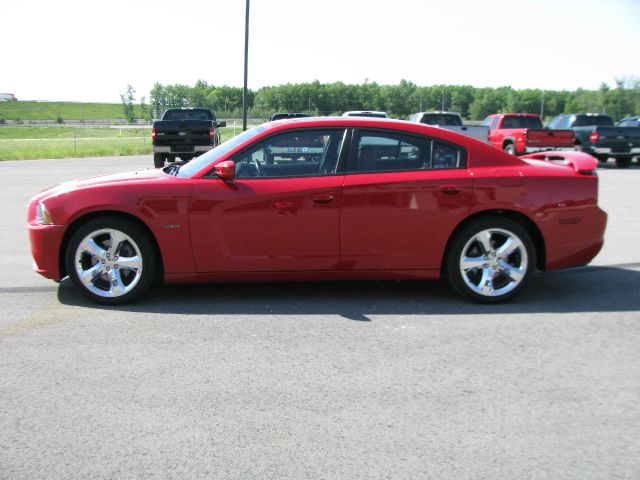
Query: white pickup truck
x: 451, y: 121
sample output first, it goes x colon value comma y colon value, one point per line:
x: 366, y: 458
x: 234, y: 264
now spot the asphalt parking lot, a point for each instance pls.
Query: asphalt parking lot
x: 397, y: 380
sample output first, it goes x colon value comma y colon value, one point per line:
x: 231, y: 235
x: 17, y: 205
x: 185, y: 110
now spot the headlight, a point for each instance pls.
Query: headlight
x: 43, y: 217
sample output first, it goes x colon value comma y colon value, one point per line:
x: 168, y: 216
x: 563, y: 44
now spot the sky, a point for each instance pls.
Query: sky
x: 81, y: 50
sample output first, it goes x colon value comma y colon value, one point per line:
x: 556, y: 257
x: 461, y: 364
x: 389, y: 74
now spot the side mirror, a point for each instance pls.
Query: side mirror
x: 222, y: 123
x: 226, y: 170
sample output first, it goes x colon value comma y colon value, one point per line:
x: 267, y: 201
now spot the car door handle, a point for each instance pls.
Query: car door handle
x: 282, y: 205
x: 449, y: 189
x: 322, y: 198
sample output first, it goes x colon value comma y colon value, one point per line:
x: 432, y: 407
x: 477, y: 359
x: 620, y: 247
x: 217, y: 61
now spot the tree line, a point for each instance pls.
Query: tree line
x: 399, y: 101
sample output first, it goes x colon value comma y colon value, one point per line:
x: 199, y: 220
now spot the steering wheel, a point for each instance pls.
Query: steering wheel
x: 259, y: 170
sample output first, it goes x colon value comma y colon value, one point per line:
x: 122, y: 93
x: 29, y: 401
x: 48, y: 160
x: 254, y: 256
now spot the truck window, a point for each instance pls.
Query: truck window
x: 187, y: 115
x: 521, y: 122
x: 442, y: 119
x: 593, y: 121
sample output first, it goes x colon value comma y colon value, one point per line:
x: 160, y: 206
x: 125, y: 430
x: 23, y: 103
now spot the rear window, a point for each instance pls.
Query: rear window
x: 593, y: 120
x: 441, y: 119
x: 523, y: 121
x: 187, y: 115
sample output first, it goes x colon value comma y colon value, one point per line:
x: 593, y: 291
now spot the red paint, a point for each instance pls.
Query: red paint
x: 347, y: 225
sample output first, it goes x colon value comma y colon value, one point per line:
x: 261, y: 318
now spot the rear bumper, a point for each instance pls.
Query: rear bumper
x: 171, y: 150
x: 609, y: 151
x: 45, y: 249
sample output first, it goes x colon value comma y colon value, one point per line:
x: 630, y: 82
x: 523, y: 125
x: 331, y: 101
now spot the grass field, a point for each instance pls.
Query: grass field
x: 31, y: 142
x: 64, y: 110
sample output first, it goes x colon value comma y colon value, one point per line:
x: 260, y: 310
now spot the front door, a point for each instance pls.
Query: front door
x: 280, y: 213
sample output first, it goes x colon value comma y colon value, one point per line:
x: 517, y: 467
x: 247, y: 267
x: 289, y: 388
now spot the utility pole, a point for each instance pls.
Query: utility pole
x: 246, y: 63
x: 542, y: 106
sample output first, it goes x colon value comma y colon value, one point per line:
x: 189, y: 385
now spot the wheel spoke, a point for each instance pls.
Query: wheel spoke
x: 514, y: 274
x: 509, y: 247
x: 486, y: 282
x: 130, y: 263
x: 92, y: 248
x: 470, y: 263
x: 117, y: 286
x: 117, y: 239
x: 484, y: 238
x: 87, y: 276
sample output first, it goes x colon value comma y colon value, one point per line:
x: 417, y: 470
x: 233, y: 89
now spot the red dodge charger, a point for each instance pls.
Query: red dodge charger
x: 325, y: 198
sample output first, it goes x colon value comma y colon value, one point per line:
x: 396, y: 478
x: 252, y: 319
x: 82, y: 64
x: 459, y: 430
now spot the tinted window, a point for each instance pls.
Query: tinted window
x: 388, y: 152
x: 441, y: 119
x: 187, y: 115
x: 593, y: 120
x: 521, y: 121
x: 300, y: 153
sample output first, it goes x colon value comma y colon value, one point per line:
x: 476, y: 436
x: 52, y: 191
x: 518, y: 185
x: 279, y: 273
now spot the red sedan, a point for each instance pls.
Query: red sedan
x: 325, y: 198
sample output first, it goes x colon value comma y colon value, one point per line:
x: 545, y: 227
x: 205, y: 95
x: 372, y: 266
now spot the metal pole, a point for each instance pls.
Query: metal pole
x: 246, y: 63
x: 542, y: 106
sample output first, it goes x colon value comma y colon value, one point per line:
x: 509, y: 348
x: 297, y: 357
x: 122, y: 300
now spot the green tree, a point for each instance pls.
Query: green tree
x: 127, y: 99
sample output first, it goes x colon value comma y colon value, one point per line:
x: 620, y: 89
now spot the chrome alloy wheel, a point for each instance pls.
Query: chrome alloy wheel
x: 493, y: 262
x: 108, y: 263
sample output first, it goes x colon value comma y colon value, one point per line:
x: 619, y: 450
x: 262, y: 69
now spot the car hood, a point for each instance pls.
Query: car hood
x: 104, y: 180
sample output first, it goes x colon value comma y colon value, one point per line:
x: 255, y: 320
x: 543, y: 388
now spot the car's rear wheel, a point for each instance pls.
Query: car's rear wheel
x: 491, y: 260
x: 623, y: 162
x: 510, y: 148
x: 159, y: 159
x: 111, y: 260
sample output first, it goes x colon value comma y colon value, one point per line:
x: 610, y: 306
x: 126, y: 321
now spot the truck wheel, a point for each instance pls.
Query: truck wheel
x: 510, y: 148
x: 623, y: 162
x: 158, y: 160
x: 490, y: 260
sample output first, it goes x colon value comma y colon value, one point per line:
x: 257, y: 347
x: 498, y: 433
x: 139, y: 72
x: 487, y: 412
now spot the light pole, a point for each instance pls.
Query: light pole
x: 246, y: 63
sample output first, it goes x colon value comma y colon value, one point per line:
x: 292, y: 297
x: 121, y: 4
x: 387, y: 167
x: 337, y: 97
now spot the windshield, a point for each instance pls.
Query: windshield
x: 199, y: 163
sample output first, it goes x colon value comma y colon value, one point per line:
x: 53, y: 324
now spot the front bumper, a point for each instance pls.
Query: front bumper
x: 45, y: 249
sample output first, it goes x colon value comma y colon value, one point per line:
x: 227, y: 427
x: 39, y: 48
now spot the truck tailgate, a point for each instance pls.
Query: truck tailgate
x: 549, y: 138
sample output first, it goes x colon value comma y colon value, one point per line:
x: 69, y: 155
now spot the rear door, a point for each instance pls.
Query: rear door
x: 403, y: 196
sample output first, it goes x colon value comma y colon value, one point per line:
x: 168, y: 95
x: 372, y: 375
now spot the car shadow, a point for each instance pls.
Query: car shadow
x: 585, y: 289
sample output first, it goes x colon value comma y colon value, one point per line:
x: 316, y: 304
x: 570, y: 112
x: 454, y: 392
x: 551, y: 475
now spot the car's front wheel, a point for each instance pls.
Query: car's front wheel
x: 111, y: 260
x: 491, y: 260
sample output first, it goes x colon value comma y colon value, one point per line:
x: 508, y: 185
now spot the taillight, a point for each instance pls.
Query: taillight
x: 593, y: 138
x: 211, y: 133
x: 525, y: 135
x: 153, y: 134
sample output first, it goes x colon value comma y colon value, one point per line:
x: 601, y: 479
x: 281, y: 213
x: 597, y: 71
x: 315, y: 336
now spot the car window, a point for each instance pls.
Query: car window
x: 389, y: 151
x: 299, y: 153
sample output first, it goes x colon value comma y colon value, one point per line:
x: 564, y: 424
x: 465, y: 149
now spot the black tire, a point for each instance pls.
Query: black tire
x: 510, y: 148
x: 623, y: 162
x: 158, y: 160
x: 503, y: 277
x: 111, y: 274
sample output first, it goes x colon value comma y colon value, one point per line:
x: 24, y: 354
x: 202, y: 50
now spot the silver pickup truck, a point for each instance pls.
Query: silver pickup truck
x: 451, y: 121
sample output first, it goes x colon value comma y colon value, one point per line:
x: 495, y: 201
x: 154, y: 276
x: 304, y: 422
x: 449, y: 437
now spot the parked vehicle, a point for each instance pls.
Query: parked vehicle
x: 375, y: 199
x: 284, y: 115
x: 184, y: 133
x: 629, y: 122
x: 451, y: 121
x: 520, y: 133
x: 365, y: 113
x: 597, y: 135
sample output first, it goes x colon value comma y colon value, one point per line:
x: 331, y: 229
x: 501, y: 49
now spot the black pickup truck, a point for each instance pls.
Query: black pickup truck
x: 184, y: 133
x: 597, y: 135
